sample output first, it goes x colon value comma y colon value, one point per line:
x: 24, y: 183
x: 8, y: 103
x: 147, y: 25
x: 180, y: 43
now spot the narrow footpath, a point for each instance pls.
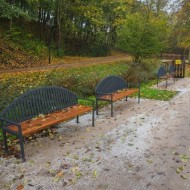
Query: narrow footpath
x: 61, y: 64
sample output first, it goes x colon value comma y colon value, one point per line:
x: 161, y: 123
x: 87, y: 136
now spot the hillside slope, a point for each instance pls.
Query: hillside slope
x: 12, y: 55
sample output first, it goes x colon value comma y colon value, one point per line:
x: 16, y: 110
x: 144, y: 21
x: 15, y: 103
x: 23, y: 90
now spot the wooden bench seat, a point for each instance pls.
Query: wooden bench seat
x: 41, y: 122
x: 113, y: 88
x: 119, y: 95
x: 39, y: 109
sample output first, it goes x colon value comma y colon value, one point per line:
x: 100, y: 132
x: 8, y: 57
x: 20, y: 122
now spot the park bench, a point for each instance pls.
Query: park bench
x: 38, y: 109
x: 163, y: 74
x: 113, y: 88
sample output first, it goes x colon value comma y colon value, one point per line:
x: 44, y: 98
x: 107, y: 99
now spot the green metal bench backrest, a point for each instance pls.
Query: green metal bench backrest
x: 39, y: 101
x: 111, y: 84
x: 161, y: 72
x: 171, y: 69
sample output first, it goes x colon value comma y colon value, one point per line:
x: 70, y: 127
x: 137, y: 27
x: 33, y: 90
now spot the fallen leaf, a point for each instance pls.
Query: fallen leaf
x: 65, y: 166
x: 175, y: 153
x: 180, y: 169
x: 74, y: 169
x: 184, y: 158
x: 78, y: 174
x: 48, y: 164
x: 130, y: 144
x: 20, y: 187
x: 76, y: 157
x: 94, y: 173
x: 150, y: 161
x: 60, y: 174
x: 184, y: 176
x: 56, y: 179
x: 31, y: 162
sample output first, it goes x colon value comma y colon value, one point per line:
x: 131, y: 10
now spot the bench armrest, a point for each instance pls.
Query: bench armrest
x: 9, y: 122
x: 12, y: 123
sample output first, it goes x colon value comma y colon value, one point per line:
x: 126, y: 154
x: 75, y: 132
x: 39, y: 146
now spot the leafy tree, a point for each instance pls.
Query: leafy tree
x: 182, y: 26
x: 9, y: 11
x: 88, y: 26
x: 157, y: 6
x: 142, y: 36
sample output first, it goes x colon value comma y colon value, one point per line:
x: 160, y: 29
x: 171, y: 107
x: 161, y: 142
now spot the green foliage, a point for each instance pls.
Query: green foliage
x: 27, y: 41
x: 94, y: 49
x: 144, y: 71
x: 180, y: 35
x: 151, y: 93
x: 10, y: 11
x: 90, y: 27
x: 142, y: 36
x: 82, y: 80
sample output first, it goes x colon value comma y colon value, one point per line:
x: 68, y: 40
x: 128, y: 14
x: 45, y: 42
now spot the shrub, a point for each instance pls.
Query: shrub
x: 142, y: 71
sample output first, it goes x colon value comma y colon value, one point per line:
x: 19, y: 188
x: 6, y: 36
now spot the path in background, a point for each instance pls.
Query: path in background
x: 90, y: 61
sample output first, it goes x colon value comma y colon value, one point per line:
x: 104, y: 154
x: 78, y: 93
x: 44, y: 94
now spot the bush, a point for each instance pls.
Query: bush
x: 142, y: 71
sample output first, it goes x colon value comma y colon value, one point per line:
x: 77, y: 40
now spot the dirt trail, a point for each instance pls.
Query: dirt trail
x: 90, y: 61
x: 144, y: 146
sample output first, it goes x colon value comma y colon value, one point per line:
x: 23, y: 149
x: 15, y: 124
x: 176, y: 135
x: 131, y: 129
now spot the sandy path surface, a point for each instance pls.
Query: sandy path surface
x: 144, y: 146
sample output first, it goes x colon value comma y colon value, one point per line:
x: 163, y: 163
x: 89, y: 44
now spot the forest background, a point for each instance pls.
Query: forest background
x: 91, y: 28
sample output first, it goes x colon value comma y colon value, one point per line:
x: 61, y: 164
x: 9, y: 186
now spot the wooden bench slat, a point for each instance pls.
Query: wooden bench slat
x: 120, y: 94
x: 35, y: 125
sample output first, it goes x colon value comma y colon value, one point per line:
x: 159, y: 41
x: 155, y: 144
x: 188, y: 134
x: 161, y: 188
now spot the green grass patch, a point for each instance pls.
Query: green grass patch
x: 157, y: 94
x: 147, y: 91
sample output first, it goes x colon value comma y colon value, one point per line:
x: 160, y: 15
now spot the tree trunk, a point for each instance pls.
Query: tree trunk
x: 58, y: 22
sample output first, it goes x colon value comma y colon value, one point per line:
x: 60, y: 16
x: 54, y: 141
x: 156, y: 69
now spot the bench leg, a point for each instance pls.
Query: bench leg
x: 166, y: 83
x: 93, y: 117
x: 111, y: 108
x: 126, y: 98
x: 22, y: 147
x: 5, y: 141
x: 139, y: 96
x: 139, y: 91
x: 96, y: 107
x: 77, y: 119
x: 157, y: 81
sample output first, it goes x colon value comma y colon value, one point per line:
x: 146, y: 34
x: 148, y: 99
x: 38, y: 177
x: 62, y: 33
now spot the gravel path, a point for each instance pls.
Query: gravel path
x: 144, y: 146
